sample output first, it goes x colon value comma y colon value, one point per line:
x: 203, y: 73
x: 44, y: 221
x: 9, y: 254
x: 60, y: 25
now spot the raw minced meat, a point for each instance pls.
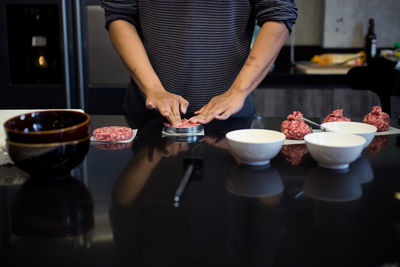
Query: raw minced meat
x: 184, y: 123
x: 295, y: 127
x: 378, y: 118
x: 113, y: 134
x: 336, y: 115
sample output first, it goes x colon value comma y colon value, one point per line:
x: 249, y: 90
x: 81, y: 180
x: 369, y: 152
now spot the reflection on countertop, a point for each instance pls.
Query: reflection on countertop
x: 262, y: 182
x: 119, y: 211
x: 52, y: 208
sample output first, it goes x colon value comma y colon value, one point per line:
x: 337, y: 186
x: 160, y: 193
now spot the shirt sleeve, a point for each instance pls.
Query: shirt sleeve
x: 276, y: 10
x: 120, y: 9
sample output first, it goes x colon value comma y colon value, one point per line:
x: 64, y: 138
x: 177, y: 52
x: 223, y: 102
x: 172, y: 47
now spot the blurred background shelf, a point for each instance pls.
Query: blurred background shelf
x: 317, y: 69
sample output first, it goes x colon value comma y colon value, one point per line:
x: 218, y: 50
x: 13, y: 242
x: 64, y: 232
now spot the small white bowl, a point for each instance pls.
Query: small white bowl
x: 255, y: 146
x: 365, y: 130
x: 334, y: 150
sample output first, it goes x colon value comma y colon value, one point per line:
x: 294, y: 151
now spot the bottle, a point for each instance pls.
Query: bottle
x: 397, y: 49
x: 370, y: 41
x: 397, y: 56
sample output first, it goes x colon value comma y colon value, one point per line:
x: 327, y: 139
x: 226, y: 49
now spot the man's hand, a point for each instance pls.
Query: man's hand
x: 168, y: 104
x: 129, y: 46
x: 220, y: 107
x: 266, y: 47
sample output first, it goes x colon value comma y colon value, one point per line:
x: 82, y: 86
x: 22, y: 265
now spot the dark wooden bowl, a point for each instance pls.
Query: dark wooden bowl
x: 48, y: 126
x: 49, y: 159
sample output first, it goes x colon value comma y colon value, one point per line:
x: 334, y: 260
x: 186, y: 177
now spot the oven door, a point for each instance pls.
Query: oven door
x: 36, y: 60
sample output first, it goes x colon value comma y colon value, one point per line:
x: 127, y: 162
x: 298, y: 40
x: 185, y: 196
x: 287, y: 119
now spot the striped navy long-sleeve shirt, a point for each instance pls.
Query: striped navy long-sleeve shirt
x: 196, y: 47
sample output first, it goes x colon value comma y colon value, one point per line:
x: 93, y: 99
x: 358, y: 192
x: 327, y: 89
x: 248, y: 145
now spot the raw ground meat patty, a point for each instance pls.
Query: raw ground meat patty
x: 295, y: 127
x: 336, y: 115
x: 113, y: 133
x: 378, y: 118
x: 184, y: 123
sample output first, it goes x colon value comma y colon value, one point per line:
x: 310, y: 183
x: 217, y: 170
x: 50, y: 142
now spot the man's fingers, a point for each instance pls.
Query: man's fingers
x: 211, y: 113
x: 197, y: 119
x: 223, y: 116
x: 165, y: 110
x: 184, y: 104
x: 149, y: 105
x: 173, y: 120
x: 176, y: 116
x: 201, y: 110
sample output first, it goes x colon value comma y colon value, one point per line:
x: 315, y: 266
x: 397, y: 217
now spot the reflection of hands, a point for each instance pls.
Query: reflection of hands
x: 220, y: 107
x: 170, y: 105
x: 172, y: 149
x: 271, y: 201
x: 216, y: 142
x: 221, y: 143
x: 135, y: 175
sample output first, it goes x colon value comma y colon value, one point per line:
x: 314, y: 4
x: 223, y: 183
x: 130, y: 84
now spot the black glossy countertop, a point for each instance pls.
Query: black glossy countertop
x: 117, y: 208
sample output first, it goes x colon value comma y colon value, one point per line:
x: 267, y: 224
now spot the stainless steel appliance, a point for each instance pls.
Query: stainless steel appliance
x: 36, y: 69
x: 57, y: 54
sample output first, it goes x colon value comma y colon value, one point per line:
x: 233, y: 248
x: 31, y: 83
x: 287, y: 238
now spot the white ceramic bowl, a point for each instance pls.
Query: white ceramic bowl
x: 255, y: 146
x: 365, y: 130
x: 334, y: 150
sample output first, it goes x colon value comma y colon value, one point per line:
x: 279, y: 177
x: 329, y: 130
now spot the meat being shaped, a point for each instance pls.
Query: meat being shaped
x: 183, y: 123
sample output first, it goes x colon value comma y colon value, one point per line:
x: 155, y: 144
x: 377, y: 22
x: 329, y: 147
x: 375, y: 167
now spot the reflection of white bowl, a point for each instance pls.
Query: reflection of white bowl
x: 255, y: 146
x: 260, y: 181
x: 334, y: 150
x: 332, y: 185
x: 365, y: 130
x: 362, y: 169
